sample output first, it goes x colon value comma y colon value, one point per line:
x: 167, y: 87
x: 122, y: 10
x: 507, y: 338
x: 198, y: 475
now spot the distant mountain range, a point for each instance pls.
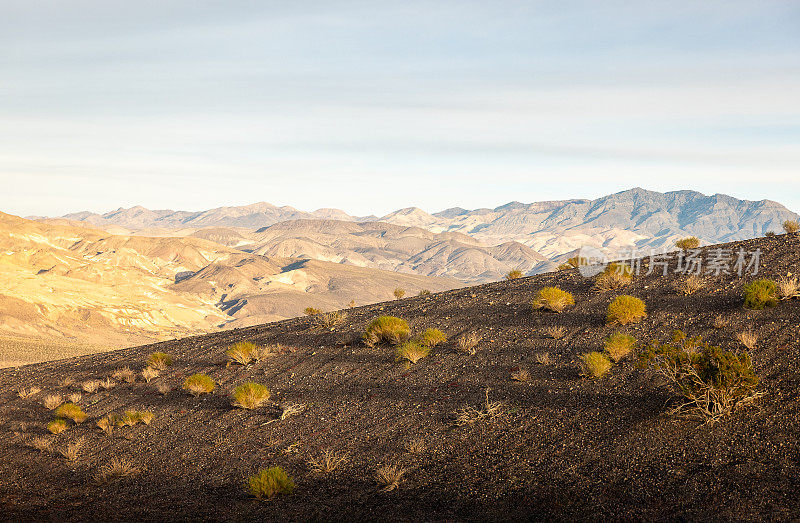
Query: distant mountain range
x: 632, y: 218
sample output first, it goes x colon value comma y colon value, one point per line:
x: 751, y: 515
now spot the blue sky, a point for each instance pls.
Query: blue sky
x: 372, y: 106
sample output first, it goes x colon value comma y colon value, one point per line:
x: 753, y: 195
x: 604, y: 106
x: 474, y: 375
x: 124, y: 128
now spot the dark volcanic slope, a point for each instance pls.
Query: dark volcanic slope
x: 567, y: 447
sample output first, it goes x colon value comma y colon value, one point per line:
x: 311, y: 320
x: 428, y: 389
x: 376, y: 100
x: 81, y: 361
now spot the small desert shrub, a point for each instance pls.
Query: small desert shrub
x: 564, y: 267
x: 124, y: 374
x: 720, y: 322
x: 468, y: 343
x: 75, y: 397
x: 159, y: 360
x: 291, y: 409
x: 243, y: 353
x: 311, y: 311
x: 270, y: 482
x: 747, y: 338
x: 108, y: 383
x: 760, y: 294
x: 250, y: 395
x: 595, y: 364
x: 411, y: 352
x: 199, y: 384
x: 72, y: 450
x: 685, y: 244
x: 619, y: 345
x: 149, y: 374
x: 769, y: 234
x: 163, y: 388
x: 614, y: 276
x: 514, y: 275
x: 386, y: 328
x: 521, y: 375
x: 626, y: 309
x: 424, y: 292
x: 689, y: 285
x: 555, y: 332
x: 90, y: 386
x: 390, y: 476
x: 52, y: 401
x: 71, y: 411
x: 489, y: 410
x: 399, y: 293
x: 788, y: 288
x: 542, y: 358
x: 327, y: 461
x: 57, y: 426
x: 432, y: 337
x: 66, y: 382
x: 28, y: 392
x: 115, y: 469
x: 711, y: 381
x: 553, y: 299
x: 791, y: 226
x: 331, y: 320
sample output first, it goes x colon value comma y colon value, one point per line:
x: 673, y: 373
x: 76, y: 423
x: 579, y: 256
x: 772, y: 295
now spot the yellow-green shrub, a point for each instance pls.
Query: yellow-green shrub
x: 57, y: 426
x: 71, y: 411
x: 791, y: 226
x: 270, y: 482
x: 199, y: 384
x: 386, y: 328
x: 513, y: 275
x: 760, y: 294
x: 242, y: 353
x: 250, y: 395
x: 688, y: 243
x: 595, y: 364
x: 411, y: 352
x: 432, y: 338
x: 553, y: 298
x: 614, y: 276
x: 619, y: 345
x: 626, y: 309
x: 159, y: 360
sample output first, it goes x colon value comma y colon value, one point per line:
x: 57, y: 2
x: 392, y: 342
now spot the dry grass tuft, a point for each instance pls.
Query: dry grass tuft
x: 198, y: 384
x: 163, y: 388
x: 514, y: 275
x: 290, y: 409
x: 132, y: 417
x: 270, y: 482
x: 57, y: 426
x: 468, y: 343
x: 619, y: 345
x: 28, y: 392
x: 72, y: 450
x: 71, y: 411
x: 149, y: 374
x: 108, y: 383
x: 52, y: 401
x: 521, y: 375
x: 390, y: 477
x: 75, y: 397
x: 107, y: 424
x: 159, y: 360
x: 416, y: 445
x: 748, y: 338
x: 330, y: 320
x: 789, y: 288
x: 489, y: 410
x: 720, y: 322
x: 90, y: 386
x: 66, y: 382
x: 250, y: 395
x: 555, y: 332
x: 542, y: 358
x: 41, y: 443
x: 124, y: 374
x: 411, y: 352
x: 327, y: 461
x: 626, y: 309
x: 399, y: 293
x: 115, y: 469
x: 243, y: 353
x: 689, y: 285
x: 595, y: 364
x: 552, y: 299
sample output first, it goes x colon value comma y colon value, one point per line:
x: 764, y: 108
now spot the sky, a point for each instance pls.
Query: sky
x: 376, y: 105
